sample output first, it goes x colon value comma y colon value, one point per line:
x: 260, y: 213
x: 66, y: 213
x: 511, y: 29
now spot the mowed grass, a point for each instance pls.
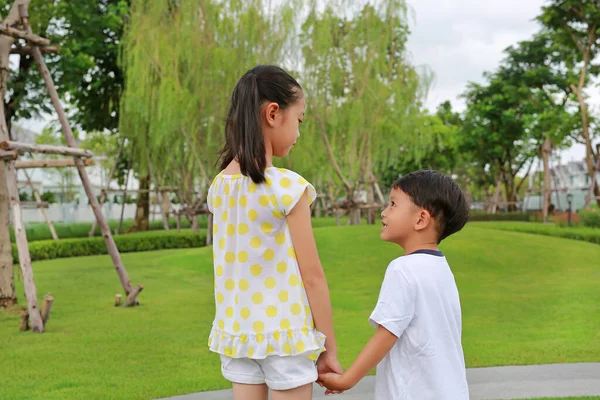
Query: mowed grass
x: 526, y: 299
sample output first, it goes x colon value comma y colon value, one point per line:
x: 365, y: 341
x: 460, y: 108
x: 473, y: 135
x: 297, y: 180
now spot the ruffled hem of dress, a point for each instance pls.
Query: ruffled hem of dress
x: 282, y: 343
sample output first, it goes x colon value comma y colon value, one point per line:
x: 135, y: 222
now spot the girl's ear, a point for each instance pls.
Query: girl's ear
x: 271, y: 110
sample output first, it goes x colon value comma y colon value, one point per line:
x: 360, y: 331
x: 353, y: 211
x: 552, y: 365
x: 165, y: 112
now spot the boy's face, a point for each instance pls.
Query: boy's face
x: 400, y: 218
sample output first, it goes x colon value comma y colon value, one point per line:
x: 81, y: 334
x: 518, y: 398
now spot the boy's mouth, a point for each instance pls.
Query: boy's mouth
x: 384, y: 226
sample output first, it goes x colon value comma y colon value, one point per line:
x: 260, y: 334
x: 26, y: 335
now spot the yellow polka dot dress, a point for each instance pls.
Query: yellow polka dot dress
x: 261, y: 305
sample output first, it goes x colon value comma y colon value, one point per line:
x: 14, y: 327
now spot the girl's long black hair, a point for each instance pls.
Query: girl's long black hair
x: 243, y: 134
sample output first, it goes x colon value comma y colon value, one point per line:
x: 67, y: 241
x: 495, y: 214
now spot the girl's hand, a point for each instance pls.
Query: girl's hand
x: 328, y: 362
x: 334, y: 383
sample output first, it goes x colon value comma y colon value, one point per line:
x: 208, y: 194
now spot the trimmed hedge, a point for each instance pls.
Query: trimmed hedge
x: 135, y: 242
x: 583, y: 234
x: 40, y: 231
x: 501, y: 216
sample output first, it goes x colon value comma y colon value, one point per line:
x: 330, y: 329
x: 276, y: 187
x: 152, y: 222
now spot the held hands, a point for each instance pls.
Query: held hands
x: 330, y: 370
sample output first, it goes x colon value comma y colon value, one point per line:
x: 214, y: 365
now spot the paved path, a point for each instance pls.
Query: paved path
x: 495, y: 383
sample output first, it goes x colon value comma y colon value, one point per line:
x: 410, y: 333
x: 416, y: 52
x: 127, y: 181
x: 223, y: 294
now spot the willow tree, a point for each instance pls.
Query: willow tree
x: 364, y: 95
x: 181, y: 63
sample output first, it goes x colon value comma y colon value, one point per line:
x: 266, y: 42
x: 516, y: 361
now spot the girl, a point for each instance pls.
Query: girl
x: 273, y: 312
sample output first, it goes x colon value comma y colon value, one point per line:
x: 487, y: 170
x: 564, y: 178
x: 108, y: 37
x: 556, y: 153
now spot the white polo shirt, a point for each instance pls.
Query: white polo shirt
x: 419, y: 304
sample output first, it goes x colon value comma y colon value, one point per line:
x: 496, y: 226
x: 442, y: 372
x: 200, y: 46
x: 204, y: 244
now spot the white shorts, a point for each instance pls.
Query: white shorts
x: 279, y: 373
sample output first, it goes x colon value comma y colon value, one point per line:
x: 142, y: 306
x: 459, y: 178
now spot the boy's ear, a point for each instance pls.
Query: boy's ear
x: 424, y: 220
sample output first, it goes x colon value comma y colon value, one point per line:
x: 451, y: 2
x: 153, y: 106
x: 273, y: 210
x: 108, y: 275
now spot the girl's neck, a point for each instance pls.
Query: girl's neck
x: 268, y: 154
x: 234, y: 166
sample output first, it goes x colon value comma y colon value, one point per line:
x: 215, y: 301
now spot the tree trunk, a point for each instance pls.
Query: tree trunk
x: 510, y: 196
x: 589, y: 150
x: 142, y: 207
x: 209, y: 230
x: 590, y: 158
x: 165, y: 208
x: 8, y: 296
x: 547, y: 190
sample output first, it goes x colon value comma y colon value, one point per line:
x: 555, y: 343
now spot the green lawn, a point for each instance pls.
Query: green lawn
x: 536, y: 228
x: 526, y: 299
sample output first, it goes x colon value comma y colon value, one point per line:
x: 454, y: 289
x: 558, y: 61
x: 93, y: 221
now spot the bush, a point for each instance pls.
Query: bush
x: 39, y: 230
x: 135, y: 242
x: 590, y: 218
x: 503, y: 216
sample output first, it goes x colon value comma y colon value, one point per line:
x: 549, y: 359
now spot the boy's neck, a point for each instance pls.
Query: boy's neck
x: 419, y: 243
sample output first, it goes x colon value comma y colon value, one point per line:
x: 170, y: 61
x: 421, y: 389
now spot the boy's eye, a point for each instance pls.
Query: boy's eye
x: 392, y: 204
x: 300, y: 121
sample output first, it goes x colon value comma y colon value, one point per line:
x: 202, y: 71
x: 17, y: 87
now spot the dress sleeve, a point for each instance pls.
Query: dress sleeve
x: 289, y: 189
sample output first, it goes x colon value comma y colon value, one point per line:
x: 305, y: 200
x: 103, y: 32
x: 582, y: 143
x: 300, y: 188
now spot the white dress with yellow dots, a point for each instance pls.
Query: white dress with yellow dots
x: 261, y: 305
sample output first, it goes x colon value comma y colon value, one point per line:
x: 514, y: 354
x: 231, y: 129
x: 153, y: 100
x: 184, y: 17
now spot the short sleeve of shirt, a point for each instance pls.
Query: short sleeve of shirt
x: 289, y: 188
x: 396, y: 304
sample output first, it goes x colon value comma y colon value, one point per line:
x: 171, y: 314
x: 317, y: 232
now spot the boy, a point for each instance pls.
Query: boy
x: 417, y: 347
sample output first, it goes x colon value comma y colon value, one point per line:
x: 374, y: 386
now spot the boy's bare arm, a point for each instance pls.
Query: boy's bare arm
x: 373, y: 352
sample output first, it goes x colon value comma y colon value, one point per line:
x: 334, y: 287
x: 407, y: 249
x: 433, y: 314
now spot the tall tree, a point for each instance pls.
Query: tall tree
x: 575, y: 26
x: 365, y: 96
x: 495, y: 129
x: 534, y: 65
x: 181, y: 63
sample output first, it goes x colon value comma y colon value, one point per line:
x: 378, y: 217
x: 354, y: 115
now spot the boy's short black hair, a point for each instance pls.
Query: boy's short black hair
x: 440, y: 195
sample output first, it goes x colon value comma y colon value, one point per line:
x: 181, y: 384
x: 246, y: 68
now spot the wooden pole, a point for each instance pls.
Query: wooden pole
x: 132, y: 297
x: 9, y: 155
x: 118, y: 298
x: 85, y: 180
x: 24, y: 320
x: 19, y: 34
x: 37, y: 324
x: 46, y: 307
x: 66, y: 162
x: 42, y: 209
x: 26, y: 50
x: 113, y: 170
x: 45, y: 148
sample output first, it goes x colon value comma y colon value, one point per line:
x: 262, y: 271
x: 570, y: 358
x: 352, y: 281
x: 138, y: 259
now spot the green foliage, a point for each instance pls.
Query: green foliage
x: 90, y: 32
x: 364, y: 95
x: 49, y: 197
x: 181, y: 62
x: 23, y: 196
x: 135, y: 242
x: 590, y: 217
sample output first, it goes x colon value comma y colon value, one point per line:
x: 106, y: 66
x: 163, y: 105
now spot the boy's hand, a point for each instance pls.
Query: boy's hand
x: 328, y: 363
x: 335, y: 383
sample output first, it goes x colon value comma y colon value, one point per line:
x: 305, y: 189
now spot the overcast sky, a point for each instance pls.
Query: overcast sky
x: 460, y: 39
